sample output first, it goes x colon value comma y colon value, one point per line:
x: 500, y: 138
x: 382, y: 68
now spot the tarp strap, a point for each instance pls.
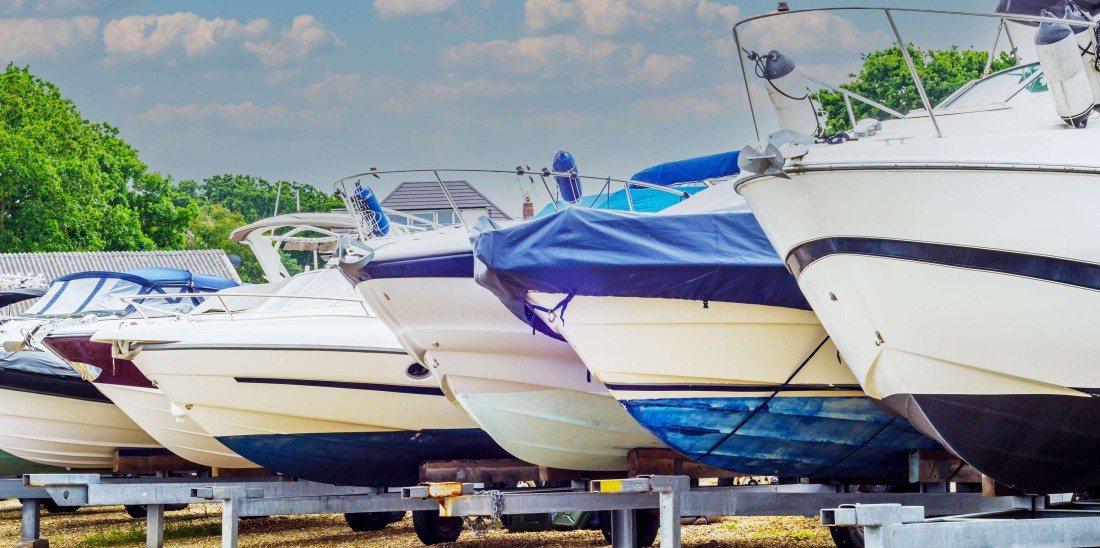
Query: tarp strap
x: 552, y: 312
x: 769, y: 398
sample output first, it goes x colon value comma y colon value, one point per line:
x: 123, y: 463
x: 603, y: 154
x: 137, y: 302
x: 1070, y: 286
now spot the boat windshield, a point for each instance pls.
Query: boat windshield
x: 101, y: 295
x: 1018, y: 85
x: 311, y: 290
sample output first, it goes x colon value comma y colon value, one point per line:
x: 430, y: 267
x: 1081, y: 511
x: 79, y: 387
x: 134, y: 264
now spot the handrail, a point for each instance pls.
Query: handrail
x: 139, y: 306
x: 1019, y: 18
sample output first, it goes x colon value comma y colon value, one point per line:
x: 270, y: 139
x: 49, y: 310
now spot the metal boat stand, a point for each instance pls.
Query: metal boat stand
x: 239, y: 497
x: 675, y: 498
x: 1049, y: 521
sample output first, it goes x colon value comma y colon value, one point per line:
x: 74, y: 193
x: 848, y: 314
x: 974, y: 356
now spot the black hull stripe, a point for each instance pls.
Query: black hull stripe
x: 1051, y: 269
x: 418, y: 390
x: 739, y: 388
x: 73, y: 388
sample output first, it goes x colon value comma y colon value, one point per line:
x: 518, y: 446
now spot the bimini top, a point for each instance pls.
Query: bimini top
x: 713, y: 256
x: 714, y: 166
x: 98, y: 292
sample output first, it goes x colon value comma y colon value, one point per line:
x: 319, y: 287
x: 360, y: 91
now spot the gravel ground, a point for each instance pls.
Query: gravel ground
x: 200, y: 527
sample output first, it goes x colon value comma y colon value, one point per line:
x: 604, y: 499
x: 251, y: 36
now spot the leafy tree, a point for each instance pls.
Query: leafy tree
x: 885, y: 78
x: 254, y: 197
x: 68, y: 184
x: 227, y: 202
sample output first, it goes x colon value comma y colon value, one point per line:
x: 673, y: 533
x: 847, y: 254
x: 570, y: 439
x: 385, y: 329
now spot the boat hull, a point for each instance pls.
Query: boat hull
x: 957, y: 305
x: 748, y: 388
x: 335, y: 410
x: 66, y: 432
x: 530, y: 392
x: 145, y: 404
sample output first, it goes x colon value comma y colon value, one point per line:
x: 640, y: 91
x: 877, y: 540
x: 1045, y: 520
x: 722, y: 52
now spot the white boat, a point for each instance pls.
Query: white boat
x: 529, y: 391
x: 308, y: 384
x: 950, y: 255
x: 140, y: 398
x: 691, y: 320
x: 52, y: 415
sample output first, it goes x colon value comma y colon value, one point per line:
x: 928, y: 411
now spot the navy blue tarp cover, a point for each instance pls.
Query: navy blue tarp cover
x: 690, y: 170
x: 721, y: 256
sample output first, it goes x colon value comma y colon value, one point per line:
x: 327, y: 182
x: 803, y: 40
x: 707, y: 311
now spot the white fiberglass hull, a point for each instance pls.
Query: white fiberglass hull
x: 151, y: 410
x: 750, y: 388
x: 530, y: 392
x: 964, y: 298
x: 66, y: 432
x: 320, y: 397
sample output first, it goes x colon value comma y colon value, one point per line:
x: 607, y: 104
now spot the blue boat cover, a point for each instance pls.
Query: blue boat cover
x: 691, y: 170
x: 720, y: 256
x: 645, y: 199
x: 158, y: 277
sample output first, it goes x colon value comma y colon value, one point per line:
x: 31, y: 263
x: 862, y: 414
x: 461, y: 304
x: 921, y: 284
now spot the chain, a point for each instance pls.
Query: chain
x: 479, y: 525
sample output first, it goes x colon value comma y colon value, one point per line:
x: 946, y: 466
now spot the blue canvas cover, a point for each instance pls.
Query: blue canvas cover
x: 100, y: 292
x: 691, y: 170
x: 719, y: 256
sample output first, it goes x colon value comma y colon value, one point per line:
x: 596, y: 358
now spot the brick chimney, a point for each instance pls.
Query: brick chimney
x: 528, y: 207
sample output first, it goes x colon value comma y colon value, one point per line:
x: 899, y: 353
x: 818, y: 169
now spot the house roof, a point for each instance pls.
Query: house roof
x: 54, y: 265
x: 427, y: 195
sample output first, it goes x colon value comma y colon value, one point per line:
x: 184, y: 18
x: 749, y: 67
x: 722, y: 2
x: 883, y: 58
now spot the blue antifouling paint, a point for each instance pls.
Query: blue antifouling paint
x: 570, y: 187
x: 388, y: 458
x: 368, y: 200
x: 823, y: 436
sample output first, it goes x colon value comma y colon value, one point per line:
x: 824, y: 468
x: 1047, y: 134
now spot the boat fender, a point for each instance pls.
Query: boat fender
x: 1086, y: 44
x: 371, y: 208
x: 791, y: 101
x: 1065, y: 73
x: 570, y: 186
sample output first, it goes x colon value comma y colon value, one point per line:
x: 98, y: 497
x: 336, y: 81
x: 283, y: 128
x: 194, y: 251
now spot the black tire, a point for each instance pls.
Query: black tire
x: 432, y: 529
x: 139, y: 511
x: 361, y: 522
x: 647, y: 521
x: 847, y: 537
x: 54, y: 508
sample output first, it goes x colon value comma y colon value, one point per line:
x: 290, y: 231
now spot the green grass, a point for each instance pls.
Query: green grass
x: 802, y: 535
x: 135, y: 533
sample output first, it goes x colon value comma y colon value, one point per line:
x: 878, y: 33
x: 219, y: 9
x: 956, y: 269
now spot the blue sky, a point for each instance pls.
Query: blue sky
x: 316, y: 91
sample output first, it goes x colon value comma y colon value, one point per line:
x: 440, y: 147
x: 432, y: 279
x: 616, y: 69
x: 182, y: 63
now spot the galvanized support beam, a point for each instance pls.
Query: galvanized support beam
x: 897, y: 526
x: 32, y: 519
x: 154, y: 526
x: 623, y: 529
x: 672, y: 489
x: 230, y: 522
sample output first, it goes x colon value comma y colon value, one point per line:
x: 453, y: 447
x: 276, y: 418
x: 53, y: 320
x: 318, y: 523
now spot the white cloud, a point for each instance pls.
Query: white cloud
x: 548, y: 56
x: 687, y: 107
x: 613, y: 17
x: 658, y: 68
x: 389, y: 9
x: 807, y: 32
x: 130, y: 91
x: 31, y: 36
x: 332, y: 84
x: 152, y: 35
x: 305, y: 36
x: 239, y: 114
x: 284, y: 75
x: 454, y: 88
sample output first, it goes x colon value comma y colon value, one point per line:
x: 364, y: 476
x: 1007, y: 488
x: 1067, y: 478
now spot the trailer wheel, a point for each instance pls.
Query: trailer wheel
x: 847, y: 537
x: 432, y: 529
x: 139, y: 511
x: 646, y: 523
x: 371, y: 521
x: 53, y: 507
